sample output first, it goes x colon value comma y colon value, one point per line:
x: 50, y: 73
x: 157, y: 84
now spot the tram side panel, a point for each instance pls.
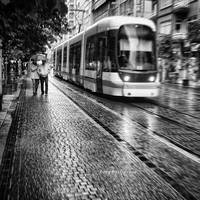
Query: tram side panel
x: 58, y: 62
x: 65, y: 55
x: 90, y: 67
x: 100, y: 73
x: 82, y: 61
x: 75, y: 47
x: 111, y: 82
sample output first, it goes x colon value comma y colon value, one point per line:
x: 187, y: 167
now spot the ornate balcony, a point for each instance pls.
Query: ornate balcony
x: 181, y: 7
x: 179, y: 36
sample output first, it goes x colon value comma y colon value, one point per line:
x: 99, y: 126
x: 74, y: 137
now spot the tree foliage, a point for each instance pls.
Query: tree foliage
x: 26, y: 27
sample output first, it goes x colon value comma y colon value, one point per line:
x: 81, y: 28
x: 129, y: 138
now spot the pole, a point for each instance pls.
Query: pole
x: 198, y: 11
x: 198, y: 52
x: 1, y: 81
x: 134, y: 8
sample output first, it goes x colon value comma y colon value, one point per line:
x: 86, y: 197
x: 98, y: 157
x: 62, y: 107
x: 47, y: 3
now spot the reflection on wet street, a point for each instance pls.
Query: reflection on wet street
x: 72, y: 144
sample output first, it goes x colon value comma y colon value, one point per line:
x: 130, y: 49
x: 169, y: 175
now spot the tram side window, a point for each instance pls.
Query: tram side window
x: 57, y: 60
x: 71, y: 53
x: 75, y: 56
x: 101, y: 52
x: 65, y: 57
x: 111, y: 56
x: 59, y: 57
x: 78, y: 56
x: 90, y: 54
x: 54, y: 58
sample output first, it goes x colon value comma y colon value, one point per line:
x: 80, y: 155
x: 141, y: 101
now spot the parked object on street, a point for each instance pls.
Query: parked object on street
x: 118, y: 57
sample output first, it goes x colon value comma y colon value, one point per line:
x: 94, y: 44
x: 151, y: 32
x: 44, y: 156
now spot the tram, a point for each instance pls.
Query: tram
x: 115, y: 56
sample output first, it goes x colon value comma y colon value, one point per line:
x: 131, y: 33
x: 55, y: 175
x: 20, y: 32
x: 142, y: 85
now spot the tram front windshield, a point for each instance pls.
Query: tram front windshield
x: 136, y: 48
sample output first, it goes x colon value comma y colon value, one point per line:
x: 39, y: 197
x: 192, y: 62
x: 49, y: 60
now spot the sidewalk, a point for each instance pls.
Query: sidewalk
x: 59, y: 152
x: 8, y: 107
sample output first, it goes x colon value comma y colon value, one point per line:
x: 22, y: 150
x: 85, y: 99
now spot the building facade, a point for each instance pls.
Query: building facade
x: 70, y: 17
x: 83, y: 15
x: 173, y: 19
x: 104, y: 8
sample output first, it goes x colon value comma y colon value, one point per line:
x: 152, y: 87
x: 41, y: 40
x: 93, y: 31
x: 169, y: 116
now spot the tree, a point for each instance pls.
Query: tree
x: 26, y: 27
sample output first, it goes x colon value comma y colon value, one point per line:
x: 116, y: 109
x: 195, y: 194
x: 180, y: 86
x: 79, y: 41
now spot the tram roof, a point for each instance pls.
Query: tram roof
x: 112, y: 22
x: 117, y: 21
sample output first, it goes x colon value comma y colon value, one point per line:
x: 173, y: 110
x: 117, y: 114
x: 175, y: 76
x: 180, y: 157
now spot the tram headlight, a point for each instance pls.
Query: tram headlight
x: 152, y: 78
x: 126, y: 78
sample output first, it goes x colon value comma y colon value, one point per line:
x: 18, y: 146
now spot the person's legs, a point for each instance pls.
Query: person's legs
x: 33, y: 82
x: 42, y: 84
x: 46, y: 85
x: 36, y: 85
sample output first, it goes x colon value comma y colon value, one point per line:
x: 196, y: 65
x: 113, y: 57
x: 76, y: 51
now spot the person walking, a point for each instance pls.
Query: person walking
x: 34, y: 76
x: 43, y: 71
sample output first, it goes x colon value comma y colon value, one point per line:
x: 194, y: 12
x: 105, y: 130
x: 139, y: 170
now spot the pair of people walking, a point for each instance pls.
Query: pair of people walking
x: 39, y: 72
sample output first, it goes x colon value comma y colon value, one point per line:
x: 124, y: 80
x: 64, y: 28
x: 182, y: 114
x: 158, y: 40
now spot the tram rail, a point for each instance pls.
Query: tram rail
x: 169, y: 179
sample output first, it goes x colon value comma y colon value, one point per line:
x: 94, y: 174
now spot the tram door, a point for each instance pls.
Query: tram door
x: 100, y: 62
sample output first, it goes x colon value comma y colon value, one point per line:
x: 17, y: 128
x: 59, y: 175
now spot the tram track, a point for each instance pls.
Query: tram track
x: 185, y: 126
x: 171, y: 138
x: 178, y: 88
x: 169, y: 179
x: 170, y: 108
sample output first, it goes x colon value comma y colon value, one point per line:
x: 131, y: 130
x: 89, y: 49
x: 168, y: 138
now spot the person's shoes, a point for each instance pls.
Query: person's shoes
x: 42, y: 93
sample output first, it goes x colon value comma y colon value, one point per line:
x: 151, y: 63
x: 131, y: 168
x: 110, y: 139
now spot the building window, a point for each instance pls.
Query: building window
x: 165, y: 3
x: 165, y: 27
x: 71, y: 15
x: 70, y: 23
x: 71, y: 7
x: 125, y: 8
x: 178, y: 27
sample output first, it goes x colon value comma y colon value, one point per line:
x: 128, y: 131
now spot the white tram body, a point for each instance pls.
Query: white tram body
x: 115, y: 56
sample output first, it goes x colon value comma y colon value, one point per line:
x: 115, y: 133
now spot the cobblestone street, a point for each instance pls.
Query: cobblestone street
x: 100, y: 100
x: 55, y: 151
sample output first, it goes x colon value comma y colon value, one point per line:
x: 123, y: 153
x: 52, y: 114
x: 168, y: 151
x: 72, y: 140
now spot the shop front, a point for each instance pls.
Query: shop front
x: 184, y: 65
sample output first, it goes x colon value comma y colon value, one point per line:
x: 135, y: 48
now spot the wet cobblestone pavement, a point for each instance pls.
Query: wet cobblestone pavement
x: 56, y: 151
x: 184, y: 170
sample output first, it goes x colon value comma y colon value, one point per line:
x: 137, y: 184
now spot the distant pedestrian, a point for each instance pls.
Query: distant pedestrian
x: 34, y: 76
x: 43, y: 71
